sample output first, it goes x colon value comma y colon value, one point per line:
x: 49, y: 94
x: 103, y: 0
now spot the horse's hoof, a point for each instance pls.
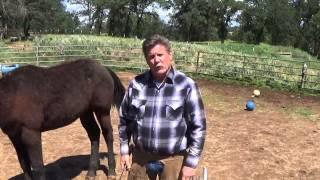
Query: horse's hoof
x: 90, y: 178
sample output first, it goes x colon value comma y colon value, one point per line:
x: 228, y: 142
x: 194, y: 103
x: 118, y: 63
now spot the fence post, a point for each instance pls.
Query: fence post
x: 198, y: 59
x: 304, y: 71
x: 141, y: 63
x: 243, y: 73
x: 62, y: 53
x: 37, y: 54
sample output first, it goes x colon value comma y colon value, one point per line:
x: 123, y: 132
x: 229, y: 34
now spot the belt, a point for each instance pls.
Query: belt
x: 143, y: 157
x: 158, y: 153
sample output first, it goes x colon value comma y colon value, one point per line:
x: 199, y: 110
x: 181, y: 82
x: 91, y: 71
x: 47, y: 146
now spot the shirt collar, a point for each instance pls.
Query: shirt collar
x: 169, y: 78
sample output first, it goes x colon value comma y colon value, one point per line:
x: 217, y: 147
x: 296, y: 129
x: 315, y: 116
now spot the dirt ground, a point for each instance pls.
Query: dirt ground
x: 278, y: 140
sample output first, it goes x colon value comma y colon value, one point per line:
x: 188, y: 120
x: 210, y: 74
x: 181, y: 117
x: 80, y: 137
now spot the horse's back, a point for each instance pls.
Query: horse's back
x: 60, y: 94
x: 74, y: 74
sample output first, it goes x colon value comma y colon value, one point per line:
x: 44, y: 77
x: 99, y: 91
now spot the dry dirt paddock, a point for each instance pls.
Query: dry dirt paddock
x: 279, y: 140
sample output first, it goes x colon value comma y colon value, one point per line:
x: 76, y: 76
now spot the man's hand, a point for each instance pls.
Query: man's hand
x: 125, y: 162
x: 188, y: 173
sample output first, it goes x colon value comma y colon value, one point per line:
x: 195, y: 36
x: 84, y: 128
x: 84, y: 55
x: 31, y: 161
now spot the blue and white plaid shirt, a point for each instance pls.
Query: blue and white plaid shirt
x: 164, y: 118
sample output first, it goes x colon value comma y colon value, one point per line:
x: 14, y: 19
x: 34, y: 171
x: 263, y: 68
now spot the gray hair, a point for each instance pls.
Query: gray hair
x: 154, y: 40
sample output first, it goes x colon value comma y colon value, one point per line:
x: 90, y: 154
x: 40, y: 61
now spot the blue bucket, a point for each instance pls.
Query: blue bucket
x: 5, y: 69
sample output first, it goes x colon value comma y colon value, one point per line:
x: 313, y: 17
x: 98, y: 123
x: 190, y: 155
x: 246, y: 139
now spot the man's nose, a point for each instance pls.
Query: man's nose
x: 157, y: 59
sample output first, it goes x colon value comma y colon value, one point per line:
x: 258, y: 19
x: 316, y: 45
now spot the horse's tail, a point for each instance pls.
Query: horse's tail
x: 118, y: 91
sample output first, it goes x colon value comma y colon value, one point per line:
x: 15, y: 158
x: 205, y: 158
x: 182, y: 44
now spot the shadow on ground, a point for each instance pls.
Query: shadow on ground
x: 68, y: 167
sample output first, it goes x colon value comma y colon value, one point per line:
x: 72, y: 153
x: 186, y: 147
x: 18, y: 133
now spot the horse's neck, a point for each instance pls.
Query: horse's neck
x: 4, y: 94
x: 4, y: 104
x: 2, y: 88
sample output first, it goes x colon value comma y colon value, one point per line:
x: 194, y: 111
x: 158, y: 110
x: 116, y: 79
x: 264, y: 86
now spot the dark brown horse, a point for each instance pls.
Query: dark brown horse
x: 34, y: 99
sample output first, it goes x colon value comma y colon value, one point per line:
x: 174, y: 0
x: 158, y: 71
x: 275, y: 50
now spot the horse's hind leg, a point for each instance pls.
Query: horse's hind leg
x: 22, y: 156
x: 107, y: 131
x: 89, y: 123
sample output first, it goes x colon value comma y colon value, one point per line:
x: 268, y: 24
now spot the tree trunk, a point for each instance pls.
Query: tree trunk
x: 139, y: 22
x: 98, y: 16
x: 127, y: 30
x: 26, y: 26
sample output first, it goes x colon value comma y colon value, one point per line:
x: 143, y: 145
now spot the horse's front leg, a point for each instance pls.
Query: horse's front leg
x: 23, y: 156
x: 32, y: 144
x: 93, y: 130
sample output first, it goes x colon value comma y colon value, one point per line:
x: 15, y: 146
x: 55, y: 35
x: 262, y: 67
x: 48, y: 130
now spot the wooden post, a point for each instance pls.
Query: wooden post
x: 37, y: 54
x: 62, y: 47
x: 243, y: 70
x: 198, y: 59
x: 304, y: 71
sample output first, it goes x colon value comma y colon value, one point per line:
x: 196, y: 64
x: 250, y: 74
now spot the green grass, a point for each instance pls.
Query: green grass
x: 87, y: 40
x: 261, y: 50
x: 305, y: 112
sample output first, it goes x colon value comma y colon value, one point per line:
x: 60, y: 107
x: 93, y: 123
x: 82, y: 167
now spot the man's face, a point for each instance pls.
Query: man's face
x: 159, y: 61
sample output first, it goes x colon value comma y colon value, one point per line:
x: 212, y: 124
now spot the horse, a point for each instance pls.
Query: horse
x: 37, y: 99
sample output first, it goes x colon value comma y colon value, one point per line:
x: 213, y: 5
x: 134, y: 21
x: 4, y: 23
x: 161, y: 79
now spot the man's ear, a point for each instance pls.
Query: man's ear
x: 171, y: 54
x: 172, y: 59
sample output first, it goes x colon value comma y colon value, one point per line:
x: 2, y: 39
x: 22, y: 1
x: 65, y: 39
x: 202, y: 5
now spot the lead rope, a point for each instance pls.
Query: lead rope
x: 122, y: 173
x: 123, y: 170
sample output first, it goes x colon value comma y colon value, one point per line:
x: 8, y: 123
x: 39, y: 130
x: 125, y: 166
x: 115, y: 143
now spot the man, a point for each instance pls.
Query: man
x: 163, y: 112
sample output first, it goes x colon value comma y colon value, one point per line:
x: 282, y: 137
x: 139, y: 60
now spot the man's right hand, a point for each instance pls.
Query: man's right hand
x: 125, y: 162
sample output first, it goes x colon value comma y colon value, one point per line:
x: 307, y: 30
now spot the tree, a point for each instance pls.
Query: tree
x: 306, y: 13
x: 21, y: 16
x: 99, y: 14
x: 280, y: 22
x: 11, y: 15
x: 192, y: 20
x: 315, y: 34
x: 267, y: 20
x: 87, y: 10
x: 140, y: 9
x: 252, y: 21
x: 199, y: 20
x: 133, y: 17
x: 225, y: 10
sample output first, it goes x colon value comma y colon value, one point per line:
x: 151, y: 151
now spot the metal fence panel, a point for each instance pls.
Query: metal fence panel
x: 291, y: 73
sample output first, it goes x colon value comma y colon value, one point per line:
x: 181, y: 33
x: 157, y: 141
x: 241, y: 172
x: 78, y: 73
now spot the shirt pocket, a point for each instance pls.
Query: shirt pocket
x: 174, y: 109
x: 138, y: 110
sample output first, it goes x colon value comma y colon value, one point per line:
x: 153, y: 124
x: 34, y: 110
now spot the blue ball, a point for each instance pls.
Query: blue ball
x: 250, y: 105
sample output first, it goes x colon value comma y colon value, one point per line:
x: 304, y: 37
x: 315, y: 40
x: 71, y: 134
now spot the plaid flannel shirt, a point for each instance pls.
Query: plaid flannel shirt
x: 166, y: 119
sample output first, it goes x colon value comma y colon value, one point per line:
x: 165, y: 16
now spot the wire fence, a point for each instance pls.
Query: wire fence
x: 292, y: 74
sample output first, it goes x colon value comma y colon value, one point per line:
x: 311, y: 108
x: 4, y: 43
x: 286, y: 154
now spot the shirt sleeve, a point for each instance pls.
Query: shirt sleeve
x: 196, y: 126
x: 124, y: 129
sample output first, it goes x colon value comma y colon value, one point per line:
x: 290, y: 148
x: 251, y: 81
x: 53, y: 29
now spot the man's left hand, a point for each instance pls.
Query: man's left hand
x: 188, y: 172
